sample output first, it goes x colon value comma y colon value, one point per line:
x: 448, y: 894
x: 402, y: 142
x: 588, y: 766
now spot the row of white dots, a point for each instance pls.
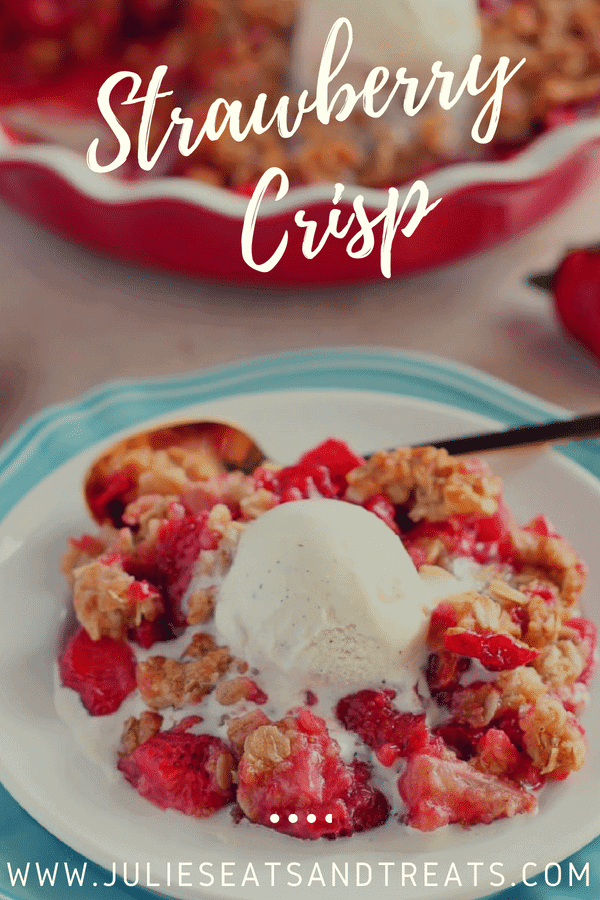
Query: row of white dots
x: 275, y: 817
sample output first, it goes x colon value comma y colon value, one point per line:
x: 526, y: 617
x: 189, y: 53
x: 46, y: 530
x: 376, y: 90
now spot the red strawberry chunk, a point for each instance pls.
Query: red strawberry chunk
x: 497, y: 652
x: 308, y: 780
x: 108, y: 498
x: 525, y: 772
x: 509, y: 723
x: 375, y: 719
x: 178, y: 545
x: 102, y: 672
x: 177, y: 770
x: 462, y: 739
x: 439, y: 792
x: 496, y: 753
x: 336, y: 455
x: 148, y: 633
x: 443, y: 673
x: 300, y: 482
x: 482, y: 538
x: 442, y: 618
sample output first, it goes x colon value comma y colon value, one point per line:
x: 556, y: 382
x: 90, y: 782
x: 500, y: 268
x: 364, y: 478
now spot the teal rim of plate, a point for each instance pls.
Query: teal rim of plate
x: 60, y: 432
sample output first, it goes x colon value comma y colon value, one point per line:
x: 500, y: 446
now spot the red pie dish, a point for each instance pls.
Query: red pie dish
x: 475, y: 712
x: 51, y: 66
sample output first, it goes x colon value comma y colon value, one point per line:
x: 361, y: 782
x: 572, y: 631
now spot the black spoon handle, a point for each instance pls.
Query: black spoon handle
x: 579, y: 428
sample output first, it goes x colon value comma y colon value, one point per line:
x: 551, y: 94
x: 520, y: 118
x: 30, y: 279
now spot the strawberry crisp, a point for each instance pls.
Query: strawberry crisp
x: 505, y: 655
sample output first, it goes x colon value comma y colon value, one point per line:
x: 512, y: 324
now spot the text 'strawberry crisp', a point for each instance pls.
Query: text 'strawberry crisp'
x: 481, y: 712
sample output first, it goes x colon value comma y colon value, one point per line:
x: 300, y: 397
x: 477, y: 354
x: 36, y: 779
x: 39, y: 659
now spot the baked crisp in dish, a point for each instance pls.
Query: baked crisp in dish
x: 237, y: 632
x: 238, y: 49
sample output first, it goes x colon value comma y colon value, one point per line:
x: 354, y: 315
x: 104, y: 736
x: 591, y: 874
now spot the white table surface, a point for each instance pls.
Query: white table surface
x: 70, y: 319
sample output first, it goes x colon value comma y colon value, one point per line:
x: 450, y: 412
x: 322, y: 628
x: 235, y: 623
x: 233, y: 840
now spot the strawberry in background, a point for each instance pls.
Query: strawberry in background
x: 575, y: 289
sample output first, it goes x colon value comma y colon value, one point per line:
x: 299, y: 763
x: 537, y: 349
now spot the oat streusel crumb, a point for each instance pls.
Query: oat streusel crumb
x: 104, y: 604
x: 137, y: 731
x: 436, y: 484
x: 553, y: 738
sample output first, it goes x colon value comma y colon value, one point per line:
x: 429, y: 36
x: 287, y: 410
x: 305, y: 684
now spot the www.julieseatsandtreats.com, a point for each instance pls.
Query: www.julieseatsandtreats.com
x: 292, y: 874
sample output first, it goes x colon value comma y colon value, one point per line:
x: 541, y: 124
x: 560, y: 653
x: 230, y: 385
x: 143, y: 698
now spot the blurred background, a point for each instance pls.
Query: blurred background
x: 72, y: 317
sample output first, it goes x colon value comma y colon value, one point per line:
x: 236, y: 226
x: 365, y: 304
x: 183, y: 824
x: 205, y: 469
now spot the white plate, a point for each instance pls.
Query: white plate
x: 110, y: 823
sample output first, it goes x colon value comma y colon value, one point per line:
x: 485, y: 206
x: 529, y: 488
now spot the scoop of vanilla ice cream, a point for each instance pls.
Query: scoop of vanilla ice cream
x: 393, y: 33
x: 324, y: 591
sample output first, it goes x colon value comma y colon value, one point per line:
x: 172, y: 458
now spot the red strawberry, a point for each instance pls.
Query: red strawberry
x: 336, y: 455
x: 497, y: 652
x: 375, y: 719
x: 108, y: 497
x: 310, y: 792
x: 440, y: 791
x: 102, y: 672
x: 177, y: 770
x: 575, y: 287
x: 178, y: 544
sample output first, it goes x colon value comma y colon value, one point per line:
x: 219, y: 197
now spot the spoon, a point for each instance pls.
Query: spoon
x: 226, y: 446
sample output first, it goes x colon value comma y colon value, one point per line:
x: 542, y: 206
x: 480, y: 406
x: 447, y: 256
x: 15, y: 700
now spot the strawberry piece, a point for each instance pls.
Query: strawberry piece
x: 300, y: 482
x: 482, y: 538
x: 311, y: 780
x: 509, y: 723
x: 107, y: 499
x: 497, y: 652
x: 375, y: 719
x: 439, y: 791
x: 443, y: 617
x: 178, y: 770
x: 576, y: 291
x: 542, y: 525
x: 443, y: 673
x: 498, y: 755
x: 499, y: 748
x: 321, y: 472
x: 496, y: 752
x: 336, y: 455
x: 179, y: 541
x: 462, y: 739
x: 102, y: 672
x: 148, y: 633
